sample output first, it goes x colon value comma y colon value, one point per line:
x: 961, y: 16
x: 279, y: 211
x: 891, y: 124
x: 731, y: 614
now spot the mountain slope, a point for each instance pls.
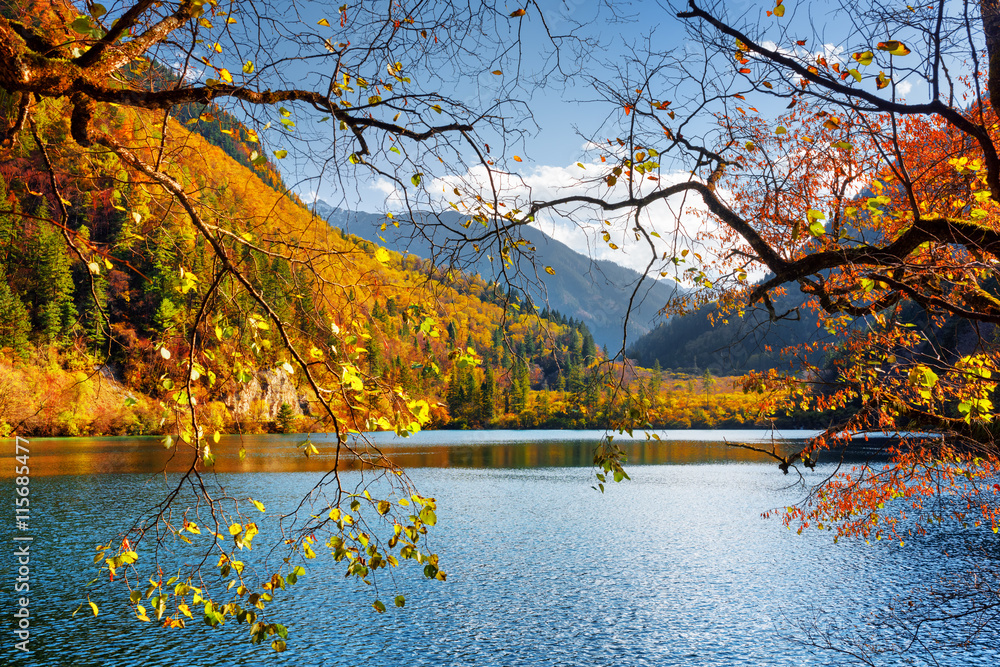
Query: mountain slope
x: 150, y: 285
x: 596, y: 292
x: 693, y: 343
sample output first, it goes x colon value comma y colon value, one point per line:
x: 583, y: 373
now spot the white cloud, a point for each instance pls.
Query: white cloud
x: 580, y: 224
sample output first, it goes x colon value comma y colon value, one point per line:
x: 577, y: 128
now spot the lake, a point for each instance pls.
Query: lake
x: 675, y: 567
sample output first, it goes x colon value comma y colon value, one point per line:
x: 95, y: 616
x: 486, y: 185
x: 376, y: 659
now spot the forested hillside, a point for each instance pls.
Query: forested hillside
x: 729, y: 343
x: 103, y: 284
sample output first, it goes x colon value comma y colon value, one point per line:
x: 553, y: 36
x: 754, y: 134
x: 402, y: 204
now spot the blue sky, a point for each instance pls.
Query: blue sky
x: 553, y: 159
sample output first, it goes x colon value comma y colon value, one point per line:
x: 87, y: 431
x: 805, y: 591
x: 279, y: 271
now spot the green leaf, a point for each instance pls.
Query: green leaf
x: 81, y: 25
x: 415, y: 179
x: 428, y: 516
x: 378, y: 606
x: 281, y: 154
x: 817, y: 229
x: 400, y: 601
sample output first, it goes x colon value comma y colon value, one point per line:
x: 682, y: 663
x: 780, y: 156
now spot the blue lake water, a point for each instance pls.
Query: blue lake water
x: 675, y: 567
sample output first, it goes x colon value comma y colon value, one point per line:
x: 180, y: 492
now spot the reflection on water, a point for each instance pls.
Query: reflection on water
x: 428, y: 449
x: 675, y: 568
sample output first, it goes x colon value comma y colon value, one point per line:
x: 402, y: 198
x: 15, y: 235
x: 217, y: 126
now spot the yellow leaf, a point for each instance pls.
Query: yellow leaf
x: 382, y: 255
x: 894, y: 47
x: 517, y: 12
x: 225, y: 75
x: 549, y: 270
x: 323, y: 22
x: 93, y: 607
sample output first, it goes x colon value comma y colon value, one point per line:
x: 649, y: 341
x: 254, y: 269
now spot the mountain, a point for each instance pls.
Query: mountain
x: 596, y: 292
x: 694, y: 343
x: 373, y: 323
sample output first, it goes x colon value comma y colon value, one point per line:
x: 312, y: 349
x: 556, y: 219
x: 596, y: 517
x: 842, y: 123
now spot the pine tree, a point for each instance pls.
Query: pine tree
x: 14, y: 322
x: 656, y: 379
x: 487, y: 396
x: 285, y: 418
x: 51, y: 291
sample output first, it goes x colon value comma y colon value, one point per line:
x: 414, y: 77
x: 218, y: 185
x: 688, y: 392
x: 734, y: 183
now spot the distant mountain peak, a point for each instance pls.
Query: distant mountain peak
x: 595, y: 291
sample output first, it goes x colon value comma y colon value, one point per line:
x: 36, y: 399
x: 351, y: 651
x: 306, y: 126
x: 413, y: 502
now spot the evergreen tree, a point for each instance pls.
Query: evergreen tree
x: 473, y: 397
x: 14, y: 322
x: 706, y: 383
x: 656, y: 380
x: 11, y: 251
x: 51, y: 290
x: 487, y: 396
x: 285, y: 418
x: 376, y: 357
x: 589, y: 350
x: 455, y: 397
